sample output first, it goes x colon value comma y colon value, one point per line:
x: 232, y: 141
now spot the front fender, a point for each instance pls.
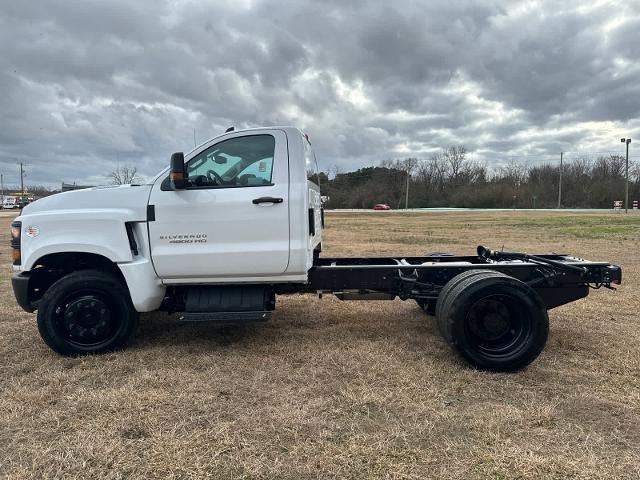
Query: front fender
x: 97, y: 231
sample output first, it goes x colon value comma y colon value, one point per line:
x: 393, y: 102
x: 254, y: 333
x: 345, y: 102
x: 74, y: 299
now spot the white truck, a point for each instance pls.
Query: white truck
x: 9, y: 203
x: 237, y: 221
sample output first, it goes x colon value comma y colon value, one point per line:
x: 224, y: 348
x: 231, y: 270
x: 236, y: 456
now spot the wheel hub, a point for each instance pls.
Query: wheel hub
x: 490, y: 321
x: 496, y: 325
x: 87, y: 319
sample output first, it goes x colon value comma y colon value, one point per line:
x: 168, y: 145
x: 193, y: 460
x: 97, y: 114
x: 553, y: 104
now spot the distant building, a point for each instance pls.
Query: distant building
x: 72, y: 186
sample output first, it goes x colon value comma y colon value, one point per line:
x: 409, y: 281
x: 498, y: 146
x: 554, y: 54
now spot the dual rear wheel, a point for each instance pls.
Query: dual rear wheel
x: 494, y: 321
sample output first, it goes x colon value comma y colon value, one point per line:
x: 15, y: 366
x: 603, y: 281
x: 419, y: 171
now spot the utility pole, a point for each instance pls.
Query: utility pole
x: 626, y: 176
x: 2, y: 185
x: 406, y: 199
x: 194, y: 138
x: 560, y: 183
x: 21, y: 183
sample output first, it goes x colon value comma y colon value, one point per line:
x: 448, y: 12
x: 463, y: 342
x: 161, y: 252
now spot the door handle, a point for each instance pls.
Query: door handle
x: 256, y: 201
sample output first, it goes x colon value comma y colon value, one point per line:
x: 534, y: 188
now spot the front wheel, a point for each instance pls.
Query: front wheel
x: 86, y: 312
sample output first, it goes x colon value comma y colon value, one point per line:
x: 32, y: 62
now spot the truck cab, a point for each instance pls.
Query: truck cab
x: 246, y: 213
x: 232, y: 219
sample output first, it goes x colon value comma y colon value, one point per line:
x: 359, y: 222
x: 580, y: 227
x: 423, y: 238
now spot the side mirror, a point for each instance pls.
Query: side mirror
x: 176, y: 172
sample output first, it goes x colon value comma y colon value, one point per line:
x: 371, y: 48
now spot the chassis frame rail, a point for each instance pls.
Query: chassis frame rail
x: 557, y: 278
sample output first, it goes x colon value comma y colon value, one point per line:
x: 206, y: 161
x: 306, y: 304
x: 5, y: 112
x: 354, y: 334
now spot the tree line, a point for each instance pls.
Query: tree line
x: 450, y: 179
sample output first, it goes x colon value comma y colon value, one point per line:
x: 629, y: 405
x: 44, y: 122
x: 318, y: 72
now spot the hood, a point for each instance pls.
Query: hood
x: 133, y: 198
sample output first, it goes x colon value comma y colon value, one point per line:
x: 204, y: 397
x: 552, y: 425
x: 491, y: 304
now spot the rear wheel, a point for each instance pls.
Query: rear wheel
x: 495, y: 322
x: 85, y: 312
x: 448, y: 288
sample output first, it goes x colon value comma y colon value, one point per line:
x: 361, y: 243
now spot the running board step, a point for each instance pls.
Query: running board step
x: 226, y: 317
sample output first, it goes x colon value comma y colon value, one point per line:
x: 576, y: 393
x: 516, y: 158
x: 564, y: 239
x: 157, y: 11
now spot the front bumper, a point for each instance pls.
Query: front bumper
x: 20, y: 284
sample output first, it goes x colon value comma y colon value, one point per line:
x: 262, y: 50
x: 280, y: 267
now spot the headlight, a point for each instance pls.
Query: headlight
x: 16, y: 231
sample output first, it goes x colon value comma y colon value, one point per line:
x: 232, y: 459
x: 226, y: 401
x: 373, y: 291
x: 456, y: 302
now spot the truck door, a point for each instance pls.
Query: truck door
x: 232, y: 220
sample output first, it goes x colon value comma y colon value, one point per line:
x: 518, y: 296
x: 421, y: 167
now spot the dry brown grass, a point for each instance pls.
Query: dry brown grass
x: 342, y: 390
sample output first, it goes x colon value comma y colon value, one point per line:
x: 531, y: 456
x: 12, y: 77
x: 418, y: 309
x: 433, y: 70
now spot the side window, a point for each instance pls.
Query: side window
x: 310, y: 163
x: 238, y: 162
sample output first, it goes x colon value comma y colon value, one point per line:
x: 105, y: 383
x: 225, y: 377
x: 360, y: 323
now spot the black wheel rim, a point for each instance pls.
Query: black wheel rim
x: 89, y: 319
x: 498, y: 325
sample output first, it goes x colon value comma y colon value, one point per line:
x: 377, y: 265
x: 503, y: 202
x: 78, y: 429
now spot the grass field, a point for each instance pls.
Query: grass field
x: 332, y: 389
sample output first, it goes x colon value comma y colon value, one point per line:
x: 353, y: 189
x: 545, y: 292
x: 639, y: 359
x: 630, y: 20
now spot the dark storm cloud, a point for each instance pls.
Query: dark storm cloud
x: 89, y: 85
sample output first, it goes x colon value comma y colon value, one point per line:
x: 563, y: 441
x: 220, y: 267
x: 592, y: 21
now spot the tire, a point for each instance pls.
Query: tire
x: 450, y: 285
x: 86, y: 312
x: 495, y: 322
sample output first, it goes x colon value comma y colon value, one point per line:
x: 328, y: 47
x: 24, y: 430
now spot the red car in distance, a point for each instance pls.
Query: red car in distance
x: 382, y: 206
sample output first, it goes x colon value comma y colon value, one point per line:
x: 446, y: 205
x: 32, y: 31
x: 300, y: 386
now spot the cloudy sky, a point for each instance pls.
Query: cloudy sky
x: 87, y: 85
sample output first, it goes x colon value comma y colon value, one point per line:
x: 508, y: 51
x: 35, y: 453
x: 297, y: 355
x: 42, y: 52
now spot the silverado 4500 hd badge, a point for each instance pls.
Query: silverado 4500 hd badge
x: 187, y: 238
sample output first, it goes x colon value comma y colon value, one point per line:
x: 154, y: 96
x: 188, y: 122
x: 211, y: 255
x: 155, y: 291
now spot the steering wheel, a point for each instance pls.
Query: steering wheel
x: 214, y: 177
